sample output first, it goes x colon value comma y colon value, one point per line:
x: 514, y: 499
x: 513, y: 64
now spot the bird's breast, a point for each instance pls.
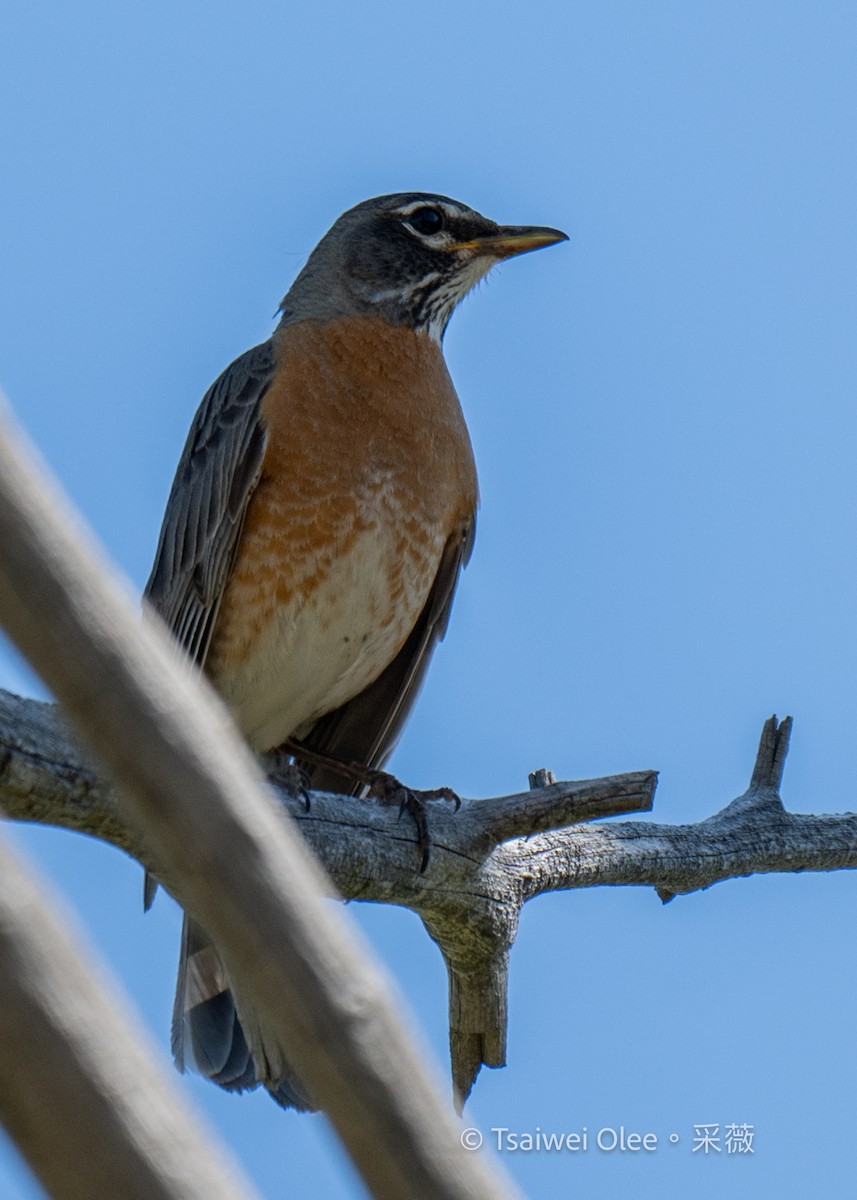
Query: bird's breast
x: 368, y: 471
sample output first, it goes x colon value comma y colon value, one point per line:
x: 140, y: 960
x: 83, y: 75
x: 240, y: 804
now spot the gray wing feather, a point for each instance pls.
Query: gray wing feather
x: 216, y: 476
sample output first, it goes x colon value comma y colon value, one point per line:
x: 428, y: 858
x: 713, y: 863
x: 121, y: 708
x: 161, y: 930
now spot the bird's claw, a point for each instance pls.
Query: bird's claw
x: 290, y: 776
x: 389, y: 790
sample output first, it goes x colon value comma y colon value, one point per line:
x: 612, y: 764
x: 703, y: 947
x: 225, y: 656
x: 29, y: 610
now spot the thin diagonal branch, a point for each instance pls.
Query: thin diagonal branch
x: 115, y: 1124
x: 192, y: 791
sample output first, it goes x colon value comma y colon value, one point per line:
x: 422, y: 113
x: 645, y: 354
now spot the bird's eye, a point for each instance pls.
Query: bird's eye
x: 426, y: 221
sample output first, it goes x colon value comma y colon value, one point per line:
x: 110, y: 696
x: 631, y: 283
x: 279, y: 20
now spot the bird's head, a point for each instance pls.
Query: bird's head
x: 409, y: 258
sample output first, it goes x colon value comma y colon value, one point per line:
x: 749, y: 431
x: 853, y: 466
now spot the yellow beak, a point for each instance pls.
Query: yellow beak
x: 512, y: 240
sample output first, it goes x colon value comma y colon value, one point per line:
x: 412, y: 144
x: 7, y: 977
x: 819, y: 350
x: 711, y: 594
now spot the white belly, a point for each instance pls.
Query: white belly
x: 320, y: 652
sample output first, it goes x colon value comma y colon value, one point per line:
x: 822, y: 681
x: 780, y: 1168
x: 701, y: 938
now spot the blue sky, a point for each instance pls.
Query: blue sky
x: 663, y: 412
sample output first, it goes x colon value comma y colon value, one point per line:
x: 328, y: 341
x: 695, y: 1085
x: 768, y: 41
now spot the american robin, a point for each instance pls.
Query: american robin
x: 321, y: 513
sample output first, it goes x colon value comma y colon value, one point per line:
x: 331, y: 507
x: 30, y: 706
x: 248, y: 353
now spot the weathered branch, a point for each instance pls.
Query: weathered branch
x: 114, y: 1125
x: 752, y: 835
x: 191, y: 787
x: 488, y: 859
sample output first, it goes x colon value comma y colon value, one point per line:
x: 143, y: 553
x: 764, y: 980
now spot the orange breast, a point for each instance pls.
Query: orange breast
x: 367, y: 472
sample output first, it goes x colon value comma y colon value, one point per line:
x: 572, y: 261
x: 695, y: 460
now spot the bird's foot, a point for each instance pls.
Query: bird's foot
x: 383, y: 786
x: 390, y: 790
x: 289, y: 775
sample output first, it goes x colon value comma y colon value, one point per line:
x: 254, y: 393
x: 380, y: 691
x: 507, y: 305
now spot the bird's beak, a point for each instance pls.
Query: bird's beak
x: 512, y: 240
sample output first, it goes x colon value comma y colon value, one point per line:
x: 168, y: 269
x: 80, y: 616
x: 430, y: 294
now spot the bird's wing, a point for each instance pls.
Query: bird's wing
x: 366, y: 728
x: 216, y: 476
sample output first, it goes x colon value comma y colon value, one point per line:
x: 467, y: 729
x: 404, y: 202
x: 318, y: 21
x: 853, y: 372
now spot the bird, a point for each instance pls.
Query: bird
x: 322, y: 510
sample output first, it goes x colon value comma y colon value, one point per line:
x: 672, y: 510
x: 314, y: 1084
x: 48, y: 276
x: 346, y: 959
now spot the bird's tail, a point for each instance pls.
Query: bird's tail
x: 207, y: 1035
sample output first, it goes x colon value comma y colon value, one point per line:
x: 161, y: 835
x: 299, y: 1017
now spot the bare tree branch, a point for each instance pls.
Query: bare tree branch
x: 480, y: 874
x: 113, y: 1123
